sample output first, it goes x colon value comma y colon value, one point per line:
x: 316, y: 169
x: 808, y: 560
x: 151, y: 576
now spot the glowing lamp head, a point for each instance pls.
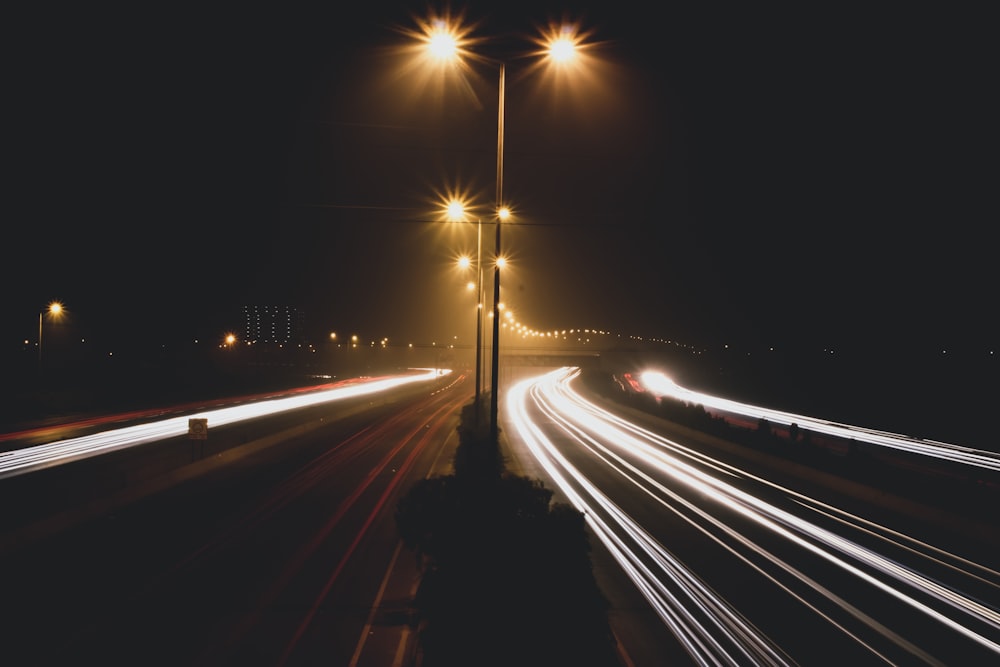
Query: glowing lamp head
x: 562, y: 50
x: 442, y: 43
x: 455, y: 210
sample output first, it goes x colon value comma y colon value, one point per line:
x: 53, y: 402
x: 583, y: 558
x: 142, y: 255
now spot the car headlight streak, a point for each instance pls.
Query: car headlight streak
x: 20, y: 461
x: 705, y: 493
x: 660, y: 385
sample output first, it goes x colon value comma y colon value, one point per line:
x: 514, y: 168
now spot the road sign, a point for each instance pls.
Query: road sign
x: 198, y: 428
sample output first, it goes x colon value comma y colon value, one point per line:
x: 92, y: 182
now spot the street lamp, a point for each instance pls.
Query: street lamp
x: 55, y: 310
x: 502, y: 214
x: 456, y: 213
x: 445, y: 43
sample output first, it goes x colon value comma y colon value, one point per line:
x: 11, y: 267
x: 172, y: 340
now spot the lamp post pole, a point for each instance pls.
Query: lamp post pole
x: 494, y: 377
x: 479, y: 322
x: 40, y: 314
x: 446, y: 43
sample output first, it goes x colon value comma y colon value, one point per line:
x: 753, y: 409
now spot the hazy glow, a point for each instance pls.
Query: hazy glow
x: 570, y: 79
x: 809, y: 545
x: 442, y: 38
x: 453, y: 204
x: 561, y: 43
x: 431, y: 62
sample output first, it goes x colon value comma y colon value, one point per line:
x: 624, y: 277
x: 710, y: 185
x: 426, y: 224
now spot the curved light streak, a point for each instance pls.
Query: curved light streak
x: 660, y: 385
x: 675, y: 591
x: 711, y: 631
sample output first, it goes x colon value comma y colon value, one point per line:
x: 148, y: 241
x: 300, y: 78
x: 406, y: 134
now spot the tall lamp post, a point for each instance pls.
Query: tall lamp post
x: 501, y: 213
x: 455, y: 212
x: 479, y: 318
x: 445, y: 44
x: 54, y: 309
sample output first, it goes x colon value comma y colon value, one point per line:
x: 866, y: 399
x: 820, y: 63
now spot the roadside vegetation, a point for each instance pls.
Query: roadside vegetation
x: 506, y: 572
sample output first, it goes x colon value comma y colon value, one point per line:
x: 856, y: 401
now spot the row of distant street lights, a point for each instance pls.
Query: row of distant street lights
x: 447, y: 43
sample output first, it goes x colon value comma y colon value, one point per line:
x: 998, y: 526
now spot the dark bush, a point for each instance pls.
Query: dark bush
x: 506, y: 573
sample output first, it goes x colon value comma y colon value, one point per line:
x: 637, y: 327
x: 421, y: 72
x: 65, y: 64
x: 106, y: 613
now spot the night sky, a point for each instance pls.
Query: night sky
x: 745, y: 174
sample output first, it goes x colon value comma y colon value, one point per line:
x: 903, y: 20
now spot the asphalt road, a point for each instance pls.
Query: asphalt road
x: 748, y: 556
x: 273, y: 542
x: 281, y: 550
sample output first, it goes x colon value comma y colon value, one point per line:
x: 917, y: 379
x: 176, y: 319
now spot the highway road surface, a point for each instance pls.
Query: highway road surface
x: 272, y: 542
x: 281, y: 549
x: 747, y: 559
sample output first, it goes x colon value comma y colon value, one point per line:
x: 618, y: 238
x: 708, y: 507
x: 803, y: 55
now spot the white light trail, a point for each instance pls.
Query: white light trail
x: 668, y: 472
x: 681, y: 594
x: 660, y: 385
x: 21, y: 461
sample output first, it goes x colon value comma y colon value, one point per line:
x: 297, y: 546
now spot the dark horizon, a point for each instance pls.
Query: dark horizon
x: 754, y: 177
x: 923, y: 393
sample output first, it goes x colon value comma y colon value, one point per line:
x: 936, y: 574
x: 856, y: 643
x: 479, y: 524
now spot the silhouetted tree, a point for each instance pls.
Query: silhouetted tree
x: 513, y: 582
x: 506, y: 573
x: 477, y: 457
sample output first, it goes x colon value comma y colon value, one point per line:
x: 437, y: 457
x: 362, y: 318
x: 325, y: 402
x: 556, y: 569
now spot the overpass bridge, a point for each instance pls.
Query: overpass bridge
x: 550, y: 358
